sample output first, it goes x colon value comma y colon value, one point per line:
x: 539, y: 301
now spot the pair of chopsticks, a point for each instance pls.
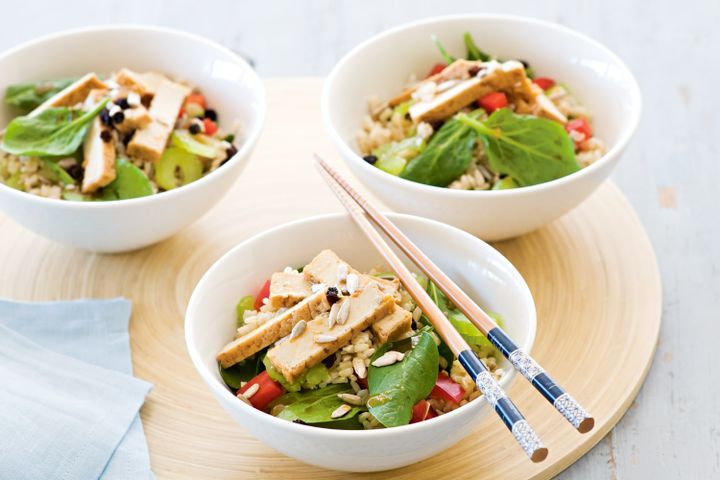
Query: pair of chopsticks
x: 360, y: 209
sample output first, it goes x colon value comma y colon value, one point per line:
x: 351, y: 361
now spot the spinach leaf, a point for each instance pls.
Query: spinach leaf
x: 243, y: 371
x: 473, y: 52
x: 530, y: 149
x: 438, y: 297
x: 54, y: 131
x: 55, y: 172
x: 316, y: 406
x: 446, y: 157
x: 446, y: 56
x: 395, y: 389
x: 28, y: 96
x: 130, y: 182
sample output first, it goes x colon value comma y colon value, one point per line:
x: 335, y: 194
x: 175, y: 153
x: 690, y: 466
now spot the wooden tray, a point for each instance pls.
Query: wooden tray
x: 593, y: 275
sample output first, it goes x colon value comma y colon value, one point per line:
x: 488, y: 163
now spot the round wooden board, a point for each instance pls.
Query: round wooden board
x: 593, y: 275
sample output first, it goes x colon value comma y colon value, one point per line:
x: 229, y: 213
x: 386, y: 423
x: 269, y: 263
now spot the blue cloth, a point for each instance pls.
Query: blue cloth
x: 68, y: 403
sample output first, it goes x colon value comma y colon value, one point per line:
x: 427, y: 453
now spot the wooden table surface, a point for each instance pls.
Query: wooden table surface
x: 668, y: 172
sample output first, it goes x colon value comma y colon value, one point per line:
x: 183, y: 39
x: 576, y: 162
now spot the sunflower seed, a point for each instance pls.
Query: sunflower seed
x: 343, y: 313
x: 363, y: 394
x: 251, y: 391
x: 388, y: 358
x: 340, y: 411
x: 350, y: 398
x: 333, y: 315
x: 243, y: 398
x: 298, y: 329
x: 355, y: 386
x: 351, y: 283
x: 342, y: 272
x: 325, y: 338
x: 416, y: 314
x: 317, y: 287
x: 359, y: 367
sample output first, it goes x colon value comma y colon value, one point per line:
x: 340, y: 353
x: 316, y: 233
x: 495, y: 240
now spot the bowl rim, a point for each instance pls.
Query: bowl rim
x: 221, y: 391
x: 352, y: 156
x: 245, y: 149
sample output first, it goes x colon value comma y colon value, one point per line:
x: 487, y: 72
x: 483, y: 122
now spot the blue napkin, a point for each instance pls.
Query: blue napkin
x: 68, y: 406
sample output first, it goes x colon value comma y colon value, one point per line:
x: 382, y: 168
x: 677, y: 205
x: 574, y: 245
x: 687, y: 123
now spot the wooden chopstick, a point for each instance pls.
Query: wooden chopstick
x: 570, y: 409
x: 494, y: 394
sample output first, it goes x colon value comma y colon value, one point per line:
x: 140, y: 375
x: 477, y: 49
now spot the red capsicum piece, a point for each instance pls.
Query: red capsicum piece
x: 264, y: 293
x: 493, y: 101
x: 544, y: 82
x: 437, y: 68
x: 268, y: 390
x: 580, y: 126
x: 422, y: 411
x: 446, y: 388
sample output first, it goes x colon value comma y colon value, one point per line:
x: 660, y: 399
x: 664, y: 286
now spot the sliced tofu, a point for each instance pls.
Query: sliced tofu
x: 73, y: 94
x: 132, y: 81
x: 326, y: 266
x: 287, y: 289
x: 544, y: 107
x: 393, y: 326
x: 460, y: 69
x: 153, y: 80
x: 136, y: 118
x: 149, y: 142
x: 99, y: 158
x: 273, y: 330
x: 508, y: 77
x: 293, y: 357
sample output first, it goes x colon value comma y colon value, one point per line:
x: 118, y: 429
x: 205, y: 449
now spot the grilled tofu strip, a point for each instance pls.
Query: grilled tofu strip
x: 326, y: 266
x: 132, y: 81
x: 294, y: 356
x: 73, y: 94
x: 135, y: 119
x: 460, y: 69
x: 287, y: 289
x: 149, y: 142
x: 392, y: 326
x: 273, y: 330
x: 99, y: 159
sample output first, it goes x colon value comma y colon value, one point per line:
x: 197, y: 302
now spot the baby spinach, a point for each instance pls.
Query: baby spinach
x: 53, y: 132
x: 396, y: 388
x: 130, y: 182
x: 446, y: 156
x: 473, y: 52
x: 316, y: 406
x: 28, y: 96
x: 530, y: 149
x: 243, y: 371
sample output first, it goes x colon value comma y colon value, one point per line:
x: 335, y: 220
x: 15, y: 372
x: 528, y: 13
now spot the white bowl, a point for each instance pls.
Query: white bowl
x: 383, y: 64
x: 226, y: 79
x: 210, y: 323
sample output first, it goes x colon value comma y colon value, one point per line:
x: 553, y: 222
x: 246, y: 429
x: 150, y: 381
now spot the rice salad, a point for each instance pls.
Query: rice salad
x: 127, y: 135
x: 479, y: 123
x: 328, y: 346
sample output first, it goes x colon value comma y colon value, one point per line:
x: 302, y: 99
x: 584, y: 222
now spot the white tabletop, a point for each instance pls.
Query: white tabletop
x: 670, y: 172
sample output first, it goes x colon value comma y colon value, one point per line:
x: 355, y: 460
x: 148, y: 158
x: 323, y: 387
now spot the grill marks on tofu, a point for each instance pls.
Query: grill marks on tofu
x: 287, y: 289
x: 98, y: 154
x: 148, y: 143
x: 73, y: 94
x: 273, y: 330
x: 393, y: 326
x: 293, y: 357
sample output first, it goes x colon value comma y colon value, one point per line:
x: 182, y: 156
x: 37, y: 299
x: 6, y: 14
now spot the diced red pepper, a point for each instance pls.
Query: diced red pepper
x: 264, y: 293
x: 268, y: 390
x: 210, y: 126
x: 196, y: 98
x: 446, y: 388
x: 422, y: 411
x: 493, y: 101
x: 544, y: 82
x: 581, y: 127
x: 437, y: 68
